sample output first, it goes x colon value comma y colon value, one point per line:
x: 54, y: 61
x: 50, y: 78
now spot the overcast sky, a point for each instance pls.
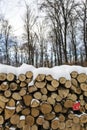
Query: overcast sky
x: 13, y: 10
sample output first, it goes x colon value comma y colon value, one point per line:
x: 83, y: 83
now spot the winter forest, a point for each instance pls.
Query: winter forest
x: 56, y: 35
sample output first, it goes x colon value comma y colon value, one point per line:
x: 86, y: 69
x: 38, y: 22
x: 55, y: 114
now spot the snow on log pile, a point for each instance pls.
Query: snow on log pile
x: 44, y: 98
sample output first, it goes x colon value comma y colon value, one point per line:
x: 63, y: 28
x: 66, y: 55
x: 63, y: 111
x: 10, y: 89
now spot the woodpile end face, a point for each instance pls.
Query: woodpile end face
x: 53, y: 104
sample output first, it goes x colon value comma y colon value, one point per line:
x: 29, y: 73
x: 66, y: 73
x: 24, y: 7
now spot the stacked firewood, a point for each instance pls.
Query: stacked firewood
x: 49, y: 104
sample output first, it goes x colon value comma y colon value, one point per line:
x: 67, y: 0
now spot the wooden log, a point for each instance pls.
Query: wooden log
x: 44, y: 91
x: 68, y: 84
x: 29, y: 120
x: 72, y: 97
x: 61, y: 125
x: 74, y: 74
x: 35, y: 112
x: 61, y: 118
x: 51, y: 101
x: 26, y: 111
x: 21, y: 124
x: 27, y: 100
x: 11, y: 103
x: 19, y: 108
x: 7, y: 93
x: 1, y: 120
x: 81, y: 97
x: 35, y: 103
x: 28, y: 81
x: 44, y: 98
x: 58, y: 108
x: 62, y: 80
x: 82, y: 109
x: 86, y: 106
x: 51, y: 88
x: 49, y: 78
x: 55, y: 83
x: 82, y: 78
x: 76, y: 120
x: 40, y: 77
x: 83, y: 119
x: 71, y: 116
x: 2, y: 104
x: 83, y: 87
x: 11, y: 77
x: 22, y: 92
x: 68, y: 104
x: 8, y: 113
x: 4, y: 86
x: 63, y: 93
x: 58, y: 98
x: 74, y: 82
x: 29, y: 74
x: 34, y: 127
x: 3, y: 99
x: 1, y: 110
x: 82, y: 102
x: 40, y: 120
x: 26, y: 127
x: 78, y: 90
x: 32, y: 89
x: 17, y: 81
x: 37, y: 95
x: 16, y: 96
x: 23, y: 84
x: 49, y: 116
x: 40, y: 84
x: 45, y: 108
x: 54, y: 95
x: 85, y: 93
x: 46, y: 125
x: 55, y: 124
x: 13, y: 86
x: 21, y: 77
x: 15, y: 119
x: 3, y: 76
x: 76, y: 127
x: 69, y: 123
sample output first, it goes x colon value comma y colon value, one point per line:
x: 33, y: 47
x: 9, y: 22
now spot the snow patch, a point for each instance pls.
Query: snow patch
x: 56, y: 72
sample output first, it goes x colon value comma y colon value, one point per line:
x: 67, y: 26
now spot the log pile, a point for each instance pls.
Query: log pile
x: 49, y: 104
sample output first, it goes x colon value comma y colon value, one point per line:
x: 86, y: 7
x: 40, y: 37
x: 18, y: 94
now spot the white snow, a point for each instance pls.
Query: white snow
x: 10, y: 108
x: 22, y: 117
x: 56, y: 72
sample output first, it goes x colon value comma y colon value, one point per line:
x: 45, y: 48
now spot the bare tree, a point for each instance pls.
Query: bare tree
x: 29, y: 21
x: 59, y: 12
x: 6, y: 32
